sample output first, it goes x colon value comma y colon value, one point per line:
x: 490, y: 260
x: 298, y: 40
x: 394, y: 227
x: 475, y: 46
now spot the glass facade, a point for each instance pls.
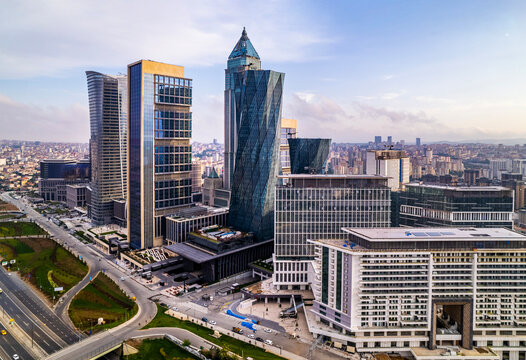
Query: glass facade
x: 434, y: 205
x: 160, y: 150
x: 108, y: 104
x: 243, y: 57
x: 257, y: 157
x: 308, y: 156
x: 134, y: 158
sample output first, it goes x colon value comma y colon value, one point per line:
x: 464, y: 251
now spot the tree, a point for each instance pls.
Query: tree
x: 186, y: 342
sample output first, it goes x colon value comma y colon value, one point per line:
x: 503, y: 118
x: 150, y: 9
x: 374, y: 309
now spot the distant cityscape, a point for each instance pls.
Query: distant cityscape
x: 261, y: 244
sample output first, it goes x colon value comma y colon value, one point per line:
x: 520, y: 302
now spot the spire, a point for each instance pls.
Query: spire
x: 244, y: 47
x: 213, y: 174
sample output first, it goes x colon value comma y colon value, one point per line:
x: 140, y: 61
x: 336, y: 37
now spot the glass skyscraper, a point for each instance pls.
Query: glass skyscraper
x: 160, y: 154
x: 108, y: 104
x: 243, y: 57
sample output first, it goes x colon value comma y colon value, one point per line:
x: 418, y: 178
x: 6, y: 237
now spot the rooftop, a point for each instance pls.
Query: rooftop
x: 244, y: 47
x: 330, y: 176
x: 434, y: 234
x: 458, y: 188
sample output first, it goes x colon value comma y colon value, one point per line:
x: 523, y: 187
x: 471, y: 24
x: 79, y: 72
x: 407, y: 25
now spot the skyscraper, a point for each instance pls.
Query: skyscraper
x: 108, y: 104
x: 160, y: 154
x: 253, y: 99
x: 308, y: 156
x: 418, y: 142
x: 243, y: 57
x: 391, y: 163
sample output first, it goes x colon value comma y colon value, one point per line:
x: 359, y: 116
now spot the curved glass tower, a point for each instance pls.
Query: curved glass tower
x: 108, y: 105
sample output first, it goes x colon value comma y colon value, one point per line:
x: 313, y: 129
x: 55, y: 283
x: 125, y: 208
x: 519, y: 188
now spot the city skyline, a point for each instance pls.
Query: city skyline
x: 440, y: 71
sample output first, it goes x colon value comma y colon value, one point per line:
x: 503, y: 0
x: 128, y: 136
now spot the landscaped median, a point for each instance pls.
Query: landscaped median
x: 40, y: 261
x: 226, y: 342
x: 101, y: 298
x: 157, y: 349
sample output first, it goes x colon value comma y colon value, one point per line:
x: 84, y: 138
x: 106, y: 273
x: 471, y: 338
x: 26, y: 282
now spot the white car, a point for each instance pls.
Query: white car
x: 212, y: 322
x: 1, y: 291
x: 16, y: 357
x: 250, y: 336
x: 267, y: 330
x: 268, y: 342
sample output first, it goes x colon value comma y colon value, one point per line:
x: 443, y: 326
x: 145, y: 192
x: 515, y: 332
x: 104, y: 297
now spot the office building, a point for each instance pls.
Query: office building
x: 432, y: 292
x: 159, y: 150
x: 217, y: 252
x: 377, y: 141
x: 108, y: 105
x: 424, y: 205
x: 518, y: 166
x: 389, y: 140
x: 197, y: 176
x: 55, y: 175
x: 418, y: 142
x: 288, y: 131
x: 391, y: 163
x: 178, y: 226
x: 76, y: 195
x: 317, y: 207
x: 243, y: 57
x: 308, y: 156
x: 514, y: 182
x: 213, y: 192
x: 256, y: 111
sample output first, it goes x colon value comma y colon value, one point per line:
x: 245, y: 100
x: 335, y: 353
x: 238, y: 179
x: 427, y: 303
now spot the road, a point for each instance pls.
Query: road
x: 147, y: 309
x: 95, y: 261
x: 11, y: 346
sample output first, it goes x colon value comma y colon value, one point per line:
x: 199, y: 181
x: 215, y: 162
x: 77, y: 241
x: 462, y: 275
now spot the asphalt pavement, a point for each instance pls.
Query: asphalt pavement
x: 10, y: 346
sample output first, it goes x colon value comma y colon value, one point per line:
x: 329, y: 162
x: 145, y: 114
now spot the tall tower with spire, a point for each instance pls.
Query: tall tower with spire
x: 243, y: 57
x: 252, y: 139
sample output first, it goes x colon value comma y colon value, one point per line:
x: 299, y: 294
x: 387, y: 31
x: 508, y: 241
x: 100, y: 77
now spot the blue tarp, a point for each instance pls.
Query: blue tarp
x: 231, y: 313
x: 248, y: 325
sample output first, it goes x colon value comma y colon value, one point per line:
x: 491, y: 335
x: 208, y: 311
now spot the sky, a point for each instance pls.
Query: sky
x: 445, y: 70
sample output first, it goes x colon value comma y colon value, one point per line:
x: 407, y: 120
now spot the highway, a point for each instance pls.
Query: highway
x: 10, y: 346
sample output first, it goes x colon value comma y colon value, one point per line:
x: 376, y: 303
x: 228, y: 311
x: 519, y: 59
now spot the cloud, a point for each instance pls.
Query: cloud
x: 20, y: 121
x: 358, y: 121
x: 46, y: 38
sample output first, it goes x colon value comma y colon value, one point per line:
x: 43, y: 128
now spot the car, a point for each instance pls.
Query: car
x: 1, y: 291
x: 212, y: 322
x: 268, y: 342
x: 267, y: 330
x: 3, y: 332
x: 204, y: 320
x: 259, y: 339
x: 16, y: 357
x: 250, y: 336
x: 175, y: 308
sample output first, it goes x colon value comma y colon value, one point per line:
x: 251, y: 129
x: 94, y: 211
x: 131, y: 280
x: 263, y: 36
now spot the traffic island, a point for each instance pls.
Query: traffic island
x: 101, y: 305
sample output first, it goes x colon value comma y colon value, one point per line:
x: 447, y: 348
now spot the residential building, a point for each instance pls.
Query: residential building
x: 159, y: 150
x: 423, y: 291
x: 288, y: 131
x: 256, y: 111
x: 317, y: 207
x: 498, y: 166
x: 108, y: 105
x: 471, y: 176
x: 308, y: 156
x: 391, y: 163
x: 424, y: 205
x: 243, y: 57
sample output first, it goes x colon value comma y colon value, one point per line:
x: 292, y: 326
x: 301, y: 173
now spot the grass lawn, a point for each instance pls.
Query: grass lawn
x: 158, y: 349
x: 227, y: 342
x: 101, y: 298
x: 43, y: 263
x: 20, y: 228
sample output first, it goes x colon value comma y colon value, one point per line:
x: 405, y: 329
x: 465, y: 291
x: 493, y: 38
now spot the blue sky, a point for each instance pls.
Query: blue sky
x: 441, y: 70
